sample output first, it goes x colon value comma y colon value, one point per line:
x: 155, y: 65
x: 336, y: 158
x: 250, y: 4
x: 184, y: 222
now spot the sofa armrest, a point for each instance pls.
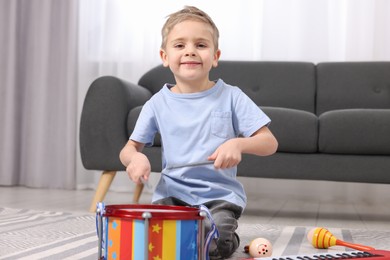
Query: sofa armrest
x: 103, y: 123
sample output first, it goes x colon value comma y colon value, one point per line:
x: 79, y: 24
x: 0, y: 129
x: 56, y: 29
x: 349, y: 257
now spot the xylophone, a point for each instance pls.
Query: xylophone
x: 370, y: 255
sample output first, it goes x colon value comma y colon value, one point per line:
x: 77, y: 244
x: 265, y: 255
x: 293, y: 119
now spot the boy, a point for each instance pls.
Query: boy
x: 200, y: 122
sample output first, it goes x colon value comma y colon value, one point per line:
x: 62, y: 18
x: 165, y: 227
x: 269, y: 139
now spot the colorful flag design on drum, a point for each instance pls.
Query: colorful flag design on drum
x: 167, y: 239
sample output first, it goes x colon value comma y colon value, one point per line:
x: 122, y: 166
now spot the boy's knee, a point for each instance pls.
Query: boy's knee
x: 225, y: 217
x: 228, y: 240
x: 227, y: 245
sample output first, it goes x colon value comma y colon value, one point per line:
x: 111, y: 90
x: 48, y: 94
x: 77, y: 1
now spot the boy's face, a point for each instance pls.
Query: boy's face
x: 190, y: 52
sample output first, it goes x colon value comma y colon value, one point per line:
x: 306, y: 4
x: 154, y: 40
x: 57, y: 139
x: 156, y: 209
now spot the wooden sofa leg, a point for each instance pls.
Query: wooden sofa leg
x: 137, y: 192
x: 103, y: 186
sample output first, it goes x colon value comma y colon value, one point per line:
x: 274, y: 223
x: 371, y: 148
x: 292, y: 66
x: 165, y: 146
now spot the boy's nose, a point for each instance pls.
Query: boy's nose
x: 190, y: 52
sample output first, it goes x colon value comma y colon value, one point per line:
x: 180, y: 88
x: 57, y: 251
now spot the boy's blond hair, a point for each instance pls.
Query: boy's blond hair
x: 188, y: 13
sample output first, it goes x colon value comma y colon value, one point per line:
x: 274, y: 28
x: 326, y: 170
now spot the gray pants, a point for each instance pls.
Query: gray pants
x: 225, y: 216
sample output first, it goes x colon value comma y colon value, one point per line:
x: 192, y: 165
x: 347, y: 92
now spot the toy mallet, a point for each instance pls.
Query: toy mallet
x: 322, y: 238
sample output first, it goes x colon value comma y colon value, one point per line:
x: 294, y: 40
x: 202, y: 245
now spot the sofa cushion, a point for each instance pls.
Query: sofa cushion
x: 355, y: 131
x: 349, y: 85
x: 295, y: 130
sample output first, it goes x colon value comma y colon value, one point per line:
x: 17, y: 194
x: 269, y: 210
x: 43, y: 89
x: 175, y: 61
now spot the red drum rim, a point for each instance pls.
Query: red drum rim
x: 161, y: 212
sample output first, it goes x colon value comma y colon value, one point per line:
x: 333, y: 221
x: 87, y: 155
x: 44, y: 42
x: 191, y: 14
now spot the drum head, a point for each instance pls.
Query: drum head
x: 164, y: 212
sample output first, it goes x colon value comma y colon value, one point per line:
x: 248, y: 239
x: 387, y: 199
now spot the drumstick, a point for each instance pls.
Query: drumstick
x: 190, y: 165
x: 146, y: 183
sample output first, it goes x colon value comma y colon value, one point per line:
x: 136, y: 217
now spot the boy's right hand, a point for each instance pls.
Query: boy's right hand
x: 139, y: 167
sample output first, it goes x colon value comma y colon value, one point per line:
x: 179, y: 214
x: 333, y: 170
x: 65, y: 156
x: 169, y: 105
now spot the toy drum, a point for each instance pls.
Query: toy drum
x: 150, y: 232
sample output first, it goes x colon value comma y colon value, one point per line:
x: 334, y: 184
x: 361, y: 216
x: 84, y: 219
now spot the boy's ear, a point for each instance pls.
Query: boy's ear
x: 216, y: 58
x: 164, y: 58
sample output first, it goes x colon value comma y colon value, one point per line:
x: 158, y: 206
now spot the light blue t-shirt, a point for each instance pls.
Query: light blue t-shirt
x: 192, y: 127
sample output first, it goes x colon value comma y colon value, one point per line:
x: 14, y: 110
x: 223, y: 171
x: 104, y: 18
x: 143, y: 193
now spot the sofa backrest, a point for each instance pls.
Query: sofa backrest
x: 273, y: 84
x: 348, y: 85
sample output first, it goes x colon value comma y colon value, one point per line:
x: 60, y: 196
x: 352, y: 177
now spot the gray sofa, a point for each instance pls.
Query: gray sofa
x: 332, y: 120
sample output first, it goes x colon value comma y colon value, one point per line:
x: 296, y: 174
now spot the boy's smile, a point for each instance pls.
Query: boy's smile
x: 191, y: 64
x: 190, y: 54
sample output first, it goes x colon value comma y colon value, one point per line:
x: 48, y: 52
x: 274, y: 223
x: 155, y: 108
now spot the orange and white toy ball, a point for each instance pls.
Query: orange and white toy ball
x: 259, y: 247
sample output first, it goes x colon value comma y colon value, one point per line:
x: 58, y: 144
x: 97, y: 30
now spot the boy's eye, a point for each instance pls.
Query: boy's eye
x: 182, y: 45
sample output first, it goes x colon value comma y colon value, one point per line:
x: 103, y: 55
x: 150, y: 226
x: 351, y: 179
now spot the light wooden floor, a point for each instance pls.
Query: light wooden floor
x: 275, y: 202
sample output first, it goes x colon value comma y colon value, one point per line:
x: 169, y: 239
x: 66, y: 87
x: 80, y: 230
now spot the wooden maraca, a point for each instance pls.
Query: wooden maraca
x: 322, y: 238
x: 259, y: 247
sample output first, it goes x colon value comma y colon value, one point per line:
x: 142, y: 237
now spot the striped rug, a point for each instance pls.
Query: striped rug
x: 31, y: 234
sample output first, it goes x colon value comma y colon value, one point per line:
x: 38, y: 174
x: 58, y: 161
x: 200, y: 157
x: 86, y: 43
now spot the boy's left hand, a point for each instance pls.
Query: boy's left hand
x: 227, y: 155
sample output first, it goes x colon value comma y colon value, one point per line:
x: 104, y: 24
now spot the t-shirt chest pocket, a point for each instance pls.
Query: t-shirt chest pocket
x: 222, y: 124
